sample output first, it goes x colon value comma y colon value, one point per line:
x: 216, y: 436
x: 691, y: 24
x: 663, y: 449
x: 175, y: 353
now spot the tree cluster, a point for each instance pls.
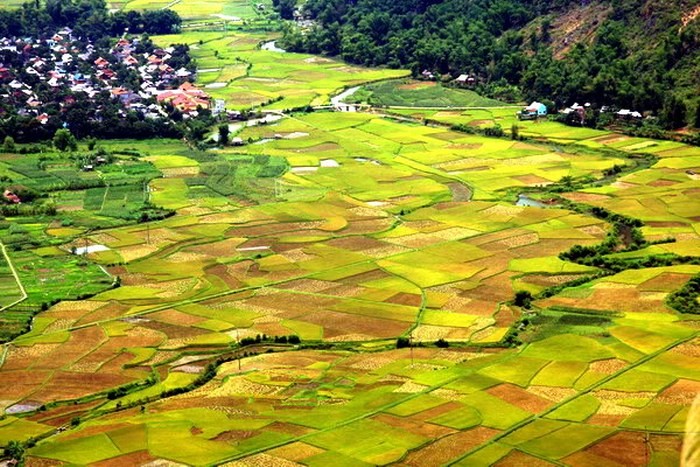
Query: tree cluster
x: 509, y: 46
x: 264, y: 338
x: 89, y: 19
x: 685, y: 300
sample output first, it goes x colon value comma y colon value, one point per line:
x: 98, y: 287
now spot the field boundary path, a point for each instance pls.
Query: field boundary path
x: 17, y: 280
x: 171, y: 4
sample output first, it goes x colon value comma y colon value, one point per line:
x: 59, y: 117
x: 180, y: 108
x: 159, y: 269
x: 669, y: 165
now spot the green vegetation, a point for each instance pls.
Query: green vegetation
x: 514, y: 49
x: 346, y: 288
x: 419, y: 94
x: 685, y: 300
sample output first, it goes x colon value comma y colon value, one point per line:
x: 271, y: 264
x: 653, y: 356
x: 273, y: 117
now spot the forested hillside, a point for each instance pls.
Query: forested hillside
x: 640, y: 54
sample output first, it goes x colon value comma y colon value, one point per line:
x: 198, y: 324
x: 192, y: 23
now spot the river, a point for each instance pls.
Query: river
x: 272, y: 47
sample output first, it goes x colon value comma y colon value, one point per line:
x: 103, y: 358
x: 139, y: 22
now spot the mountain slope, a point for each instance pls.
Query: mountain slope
x: 643, y: 54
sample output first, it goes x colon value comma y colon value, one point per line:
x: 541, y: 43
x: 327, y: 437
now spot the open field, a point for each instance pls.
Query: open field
x: 368, y: 260
x: 348, y: 231
x: 234, y: 68
x: 436, y: 407
x: 9, y: 288
x: 420, y: 94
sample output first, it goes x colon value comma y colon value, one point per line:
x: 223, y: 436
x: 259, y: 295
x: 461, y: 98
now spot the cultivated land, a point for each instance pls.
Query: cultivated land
x: 350, y: 230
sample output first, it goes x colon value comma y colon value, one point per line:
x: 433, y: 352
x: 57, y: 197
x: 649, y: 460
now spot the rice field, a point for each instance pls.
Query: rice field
x: 9, y: 289
x: 234, y: 68
x: 350, y: 230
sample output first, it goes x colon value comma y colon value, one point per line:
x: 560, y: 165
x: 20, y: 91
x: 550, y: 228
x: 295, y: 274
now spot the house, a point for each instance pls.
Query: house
x: 626, y: 114
x: 128, y: 98
x: 427, y: 75
x: 465, y: 80
x: 106, y: 74
x: 154, y: 60
x: 120, y: 91
x: 11, y: 197
x: 533, y: 111
x: 101, y: 62
x: 576, y: 113
x: 187, y: 98
x: 43, y: 119
x: 183, y: 73
x: 129, y: 60
x: 234, y: 115
x: 219, y: 106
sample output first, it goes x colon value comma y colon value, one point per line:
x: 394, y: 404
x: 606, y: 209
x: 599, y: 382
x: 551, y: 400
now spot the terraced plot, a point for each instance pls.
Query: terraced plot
x: 234, y: 68
x: 346, y: 230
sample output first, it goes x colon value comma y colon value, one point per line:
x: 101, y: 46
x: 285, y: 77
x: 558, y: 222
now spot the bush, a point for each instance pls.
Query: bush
x: 514, y: 132
x: 402, y: 342
x: 14, y: 450
x: 496, y: 131
x: 9, y: 144
x: 523, y: 298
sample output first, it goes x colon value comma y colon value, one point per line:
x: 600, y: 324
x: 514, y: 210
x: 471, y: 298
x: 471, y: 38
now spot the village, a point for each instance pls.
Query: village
x: 43, y: 78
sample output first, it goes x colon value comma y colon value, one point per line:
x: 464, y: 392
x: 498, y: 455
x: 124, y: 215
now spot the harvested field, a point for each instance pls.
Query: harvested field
x: 520, y: 398
x: 449, y: 447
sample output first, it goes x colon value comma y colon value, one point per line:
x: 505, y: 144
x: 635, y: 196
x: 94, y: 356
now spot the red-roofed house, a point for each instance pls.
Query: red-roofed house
x: 187, y: 98
x: 130, y: 60
x: 11, y: 197
x: 101, y: 62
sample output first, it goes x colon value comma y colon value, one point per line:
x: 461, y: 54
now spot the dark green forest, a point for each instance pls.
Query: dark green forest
x: 89, y: 19
x: 637, y: 54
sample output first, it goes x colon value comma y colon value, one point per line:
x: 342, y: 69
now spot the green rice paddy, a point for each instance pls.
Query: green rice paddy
x: 349, y: 230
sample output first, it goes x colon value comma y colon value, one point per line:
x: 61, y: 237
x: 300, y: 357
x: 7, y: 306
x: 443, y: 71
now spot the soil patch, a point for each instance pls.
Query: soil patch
x: 449, y: 447
x: 519, y: 397
x: 437, y: 411
x: 236, y: 435
x: 403, y: 298
x: 427, y: 430
x: 296, y: 451
x: 625, y: 448
x: 134, y: 458
x: 520, y: 459
x: 460, y: 192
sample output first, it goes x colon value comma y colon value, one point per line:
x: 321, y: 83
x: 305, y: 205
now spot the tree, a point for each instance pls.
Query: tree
x: 14, y: 450
x: 514, y: 132
x: 697, y: 116
x: 673, y: 112
x: 64, y: 140
x: 285, y: 8
x: 523, y: 298
x: 9, y: 144
x: 402, y: 342
x: 223, y: 134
